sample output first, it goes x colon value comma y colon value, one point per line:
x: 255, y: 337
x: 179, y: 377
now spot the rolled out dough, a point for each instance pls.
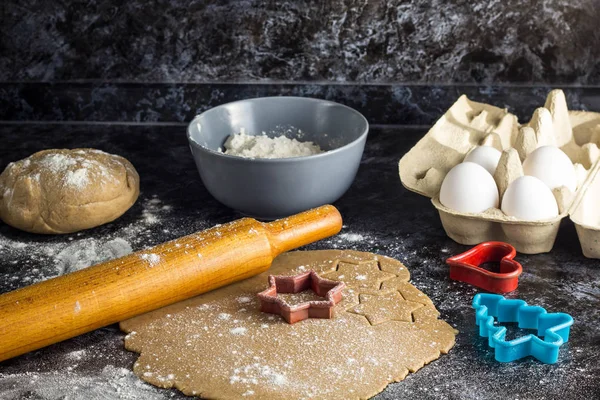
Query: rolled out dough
x: 220, y: 346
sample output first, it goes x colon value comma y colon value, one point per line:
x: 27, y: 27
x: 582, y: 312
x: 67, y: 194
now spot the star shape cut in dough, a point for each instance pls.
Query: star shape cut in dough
x: 379, y: 308
x: 408, y: 291
x: 362, y: 275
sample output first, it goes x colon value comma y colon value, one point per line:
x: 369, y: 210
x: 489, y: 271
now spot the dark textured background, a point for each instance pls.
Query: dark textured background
x: 125, y: 76
x: 338, y: 40
x: 398, y: 62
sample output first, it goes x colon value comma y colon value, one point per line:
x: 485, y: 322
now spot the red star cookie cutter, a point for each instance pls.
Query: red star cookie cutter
x: 465, y: 267
x: 330, y: 290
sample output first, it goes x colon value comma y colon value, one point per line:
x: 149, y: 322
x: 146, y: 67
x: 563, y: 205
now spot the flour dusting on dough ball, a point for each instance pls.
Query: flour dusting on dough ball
x: 65, y: 191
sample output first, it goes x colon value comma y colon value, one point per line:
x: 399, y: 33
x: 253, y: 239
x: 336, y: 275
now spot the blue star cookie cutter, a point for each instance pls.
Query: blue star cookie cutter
x: 553, y: 327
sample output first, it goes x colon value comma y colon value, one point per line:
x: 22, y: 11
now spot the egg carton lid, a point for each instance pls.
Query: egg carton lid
x: 594, y: 179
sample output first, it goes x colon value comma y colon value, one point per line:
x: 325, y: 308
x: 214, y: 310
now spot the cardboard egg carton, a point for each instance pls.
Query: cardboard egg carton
x: 585, y: 213
x: 468, y: 124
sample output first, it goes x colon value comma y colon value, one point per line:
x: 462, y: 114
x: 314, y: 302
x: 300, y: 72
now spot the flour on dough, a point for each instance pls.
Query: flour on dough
x: 64, y: 191
x: 215, y: 346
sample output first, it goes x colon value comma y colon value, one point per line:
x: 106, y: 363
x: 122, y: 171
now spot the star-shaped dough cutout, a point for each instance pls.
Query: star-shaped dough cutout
x: 385, y: 307
x: 394, y: 267
x: 408, y: 291
x: 363, y: 275
x: 349, y: 299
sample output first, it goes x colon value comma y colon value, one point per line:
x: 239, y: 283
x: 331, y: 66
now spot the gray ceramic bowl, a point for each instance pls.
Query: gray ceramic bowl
x: 274, y: 188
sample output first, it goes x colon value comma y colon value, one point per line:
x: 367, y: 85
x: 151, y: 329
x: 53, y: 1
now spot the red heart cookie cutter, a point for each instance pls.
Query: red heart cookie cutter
x: 465, y: 267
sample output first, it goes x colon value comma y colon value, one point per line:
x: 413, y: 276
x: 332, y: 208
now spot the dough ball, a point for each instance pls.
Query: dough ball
x: 65, y: 191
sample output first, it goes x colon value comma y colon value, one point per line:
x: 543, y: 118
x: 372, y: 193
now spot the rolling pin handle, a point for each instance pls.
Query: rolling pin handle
x: 304, y: 228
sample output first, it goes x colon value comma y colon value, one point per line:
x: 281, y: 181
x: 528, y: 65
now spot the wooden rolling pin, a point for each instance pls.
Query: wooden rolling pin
x: 61, y: 308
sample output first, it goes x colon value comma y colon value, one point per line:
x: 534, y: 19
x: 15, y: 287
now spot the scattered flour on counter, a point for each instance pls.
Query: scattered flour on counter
x: 386, y: 244
x: 152, y: 209
x: 263, y: 146
x: 87, y: 252
x: 31, y: 259
x: 351, y: 237
x: 76, y: 355
x: 112, y: 383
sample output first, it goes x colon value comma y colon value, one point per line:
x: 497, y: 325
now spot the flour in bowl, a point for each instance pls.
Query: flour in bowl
x: 262, y: 146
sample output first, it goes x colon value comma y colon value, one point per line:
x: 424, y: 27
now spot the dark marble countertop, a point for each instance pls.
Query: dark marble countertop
x: 341, y: 40
x: 379, y: 216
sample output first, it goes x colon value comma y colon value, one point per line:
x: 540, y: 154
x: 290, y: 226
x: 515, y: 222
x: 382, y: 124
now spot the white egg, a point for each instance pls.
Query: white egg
x: 486, y: 156
x: 469, y: 188
x: 552, y: 166
x: 529, y: 199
